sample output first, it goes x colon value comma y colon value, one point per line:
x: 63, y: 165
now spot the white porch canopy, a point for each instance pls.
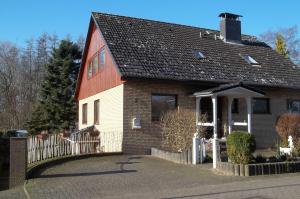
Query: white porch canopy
x: 231, y: 91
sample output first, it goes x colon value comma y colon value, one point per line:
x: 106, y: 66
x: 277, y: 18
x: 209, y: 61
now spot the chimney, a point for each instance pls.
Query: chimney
x: 230, y: 27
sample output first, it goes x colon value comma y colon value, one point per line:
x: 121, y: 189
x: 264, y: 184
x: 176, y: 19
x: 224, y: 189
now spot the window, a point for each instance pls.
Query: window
x: 84, y: 113
x: 198, y: 54
x: 97, y: 61
x: 96, y: 112
x: 261, y: 105
x: 162, y: 104
x: 235, y: 106
x: 95, y: 64
x: 293, y: 106
x: 250, y: 60
x: 102, y: 56
x: 89, y: 71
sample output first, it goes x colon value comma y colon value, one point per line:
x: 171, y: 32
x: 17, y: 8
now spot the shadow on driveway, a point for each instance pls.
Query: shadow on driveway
x: 84, y: 174
x: 121, y: 163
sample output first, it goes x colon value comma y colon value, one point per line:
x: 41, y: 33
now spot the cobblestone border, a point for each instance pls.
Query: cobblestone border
x: 258, y: 169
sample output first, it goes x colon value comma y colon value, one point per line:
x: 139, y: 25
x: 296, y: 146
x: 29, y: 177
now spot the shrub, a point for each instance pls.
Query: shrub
x: 240, y: 146
x: 288, y: 125
x: 178, y: 128
x: 297, y: 148
x: 284, y: 143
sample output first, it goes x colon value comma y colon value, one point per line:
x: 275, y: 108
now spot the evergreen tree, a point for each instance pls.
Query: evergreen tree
x: 281, y: 45
x: 56, y: 109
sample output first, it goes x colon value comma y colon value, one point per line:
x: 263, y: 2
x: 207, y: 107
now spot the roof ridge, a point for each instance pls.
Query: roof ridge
x: 164, y: 22
x: 152, y: 20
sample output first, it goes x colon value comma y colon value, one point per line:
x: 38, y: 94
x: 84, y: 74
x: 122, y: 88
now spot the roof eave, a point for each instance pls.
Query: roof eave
x: 83, y: 60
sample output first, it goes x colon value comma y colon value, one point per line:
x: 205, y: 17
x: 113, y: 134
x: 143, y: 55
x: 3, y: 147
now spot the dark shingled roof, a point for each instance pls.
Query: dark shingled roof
x: 158, y: 50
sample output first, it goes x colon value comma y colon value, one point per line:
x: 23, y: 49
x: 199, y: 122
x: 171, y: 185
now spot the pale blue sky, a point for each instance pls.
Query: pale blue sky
x: 23, y: 19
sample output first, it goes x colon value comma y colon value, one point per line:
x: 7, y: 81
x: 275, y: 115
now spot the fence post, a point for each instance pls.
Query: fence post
x: 77, y: 148
x: 18, y: 161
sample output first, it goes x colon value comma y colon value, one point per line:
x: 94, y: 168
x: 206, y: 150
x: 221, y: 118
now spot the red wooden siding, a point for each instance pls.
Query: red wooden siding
x: 108, y: 76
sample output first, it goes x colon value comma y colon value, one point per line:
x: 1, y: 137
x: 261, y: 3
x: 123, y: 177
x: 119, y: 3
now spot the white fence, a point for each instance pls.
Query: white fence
x: 111, y: 141
x: 55, y: 145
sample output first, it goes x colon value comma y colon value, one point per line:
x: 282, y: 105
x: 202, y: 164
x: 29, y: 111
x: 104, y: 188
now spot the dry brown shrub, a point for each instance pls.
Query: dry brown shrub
x: 179, y: 127
x: 288, y: 125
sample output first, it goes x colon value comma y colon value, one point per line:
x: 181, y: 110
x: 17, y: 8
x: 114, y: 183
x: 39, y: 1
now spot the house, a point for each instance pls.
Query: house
x: 134, y: 70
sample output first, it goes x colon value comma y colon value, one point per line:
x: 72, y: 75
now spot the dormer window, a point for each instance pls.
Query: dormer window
x: 198, y: 54
x: 250, y: 60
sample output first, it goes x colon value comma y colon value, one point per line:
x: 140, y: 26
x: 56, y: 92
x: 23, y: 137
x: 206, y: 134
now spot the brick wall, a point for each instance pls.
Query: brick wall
x: 137, y: 103
x: 18, y: 162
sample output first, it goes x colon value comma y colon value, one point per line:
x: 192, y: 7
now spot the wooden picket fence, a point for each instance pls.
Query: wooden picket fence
x: 56, y: 146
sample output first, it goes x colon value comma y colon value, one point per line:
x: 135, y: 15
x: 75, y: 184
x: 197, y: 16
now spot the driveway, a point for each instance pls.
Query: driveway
x: 147, y: 177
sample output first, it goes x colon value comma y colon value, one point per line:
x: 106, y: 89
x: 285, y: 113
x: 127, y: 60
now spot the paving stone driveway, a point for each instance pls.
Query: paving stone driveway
x: 147, y: 177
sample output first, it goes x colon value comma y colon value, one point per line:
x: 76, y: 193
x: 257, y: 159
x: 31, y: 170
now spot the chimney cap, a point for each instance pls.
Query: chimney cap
x: 228, y: 15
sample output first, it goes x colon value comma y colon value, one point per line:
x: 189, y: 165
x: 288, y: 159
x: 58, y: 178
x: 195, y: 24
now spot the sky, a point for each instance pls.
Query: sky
x: 21, y: 20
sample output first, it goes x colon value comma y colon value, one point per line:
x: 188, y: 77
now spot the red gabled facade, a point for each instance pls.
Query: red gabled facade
x: 107, y: 77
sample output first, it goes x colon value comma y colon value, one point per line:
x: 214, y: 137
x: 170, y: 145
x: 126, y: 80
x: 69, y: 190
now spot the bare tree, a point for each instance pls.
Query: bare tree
x: 53, y: 41
x: 81, y: 42
x: 291, y: 38
x: 9, y: 63
x: 22, y: 72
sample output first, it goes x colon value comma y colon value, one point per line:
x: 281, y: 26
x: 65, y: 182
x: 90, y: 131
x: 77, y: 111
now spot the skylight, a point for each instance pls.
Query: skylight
x: 198, y: 54
x: 250, y: 60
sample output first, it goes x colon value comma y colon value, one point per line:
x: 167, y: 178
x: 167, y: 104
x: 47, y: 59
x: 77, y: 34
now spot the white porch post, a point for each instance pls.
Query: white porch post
x: 198, y: 110
x: 215, y: 123
x: 196, y: 139
x: 229, y: 114
x: 249, y: 113
x: 215, y: 115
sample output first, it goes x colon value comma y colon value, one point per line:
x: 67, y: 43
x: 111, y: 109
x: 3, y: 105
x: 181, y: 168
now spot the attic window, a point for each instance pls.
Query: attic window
x: 250, y: 60
x: 198, y: 54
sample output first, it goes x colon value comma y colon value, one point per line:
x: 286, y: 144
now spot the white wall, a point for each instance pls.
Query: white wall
x: 111, y: 117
